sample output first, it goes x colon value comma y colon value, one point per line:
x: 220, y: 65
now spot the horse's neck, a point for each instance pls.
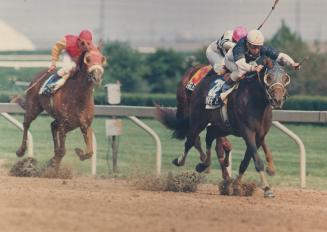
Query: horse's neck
x: 81, y: 88
x: 254, y: 96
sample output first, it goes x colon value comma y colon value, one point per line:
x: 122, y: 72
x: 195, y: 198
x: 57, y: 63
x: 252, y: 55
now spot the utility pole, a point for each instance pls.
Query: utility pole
x: 298, y: 16
x: 102, y: 19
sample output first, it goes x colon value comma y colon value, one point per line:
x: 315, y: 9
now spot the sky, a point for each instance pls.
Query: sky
x: 159, y: 22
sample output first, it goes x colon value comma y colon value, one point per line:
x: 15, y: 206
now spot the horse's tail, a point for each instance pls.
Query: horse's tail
x: 20, y: 100
x: 168, y: 118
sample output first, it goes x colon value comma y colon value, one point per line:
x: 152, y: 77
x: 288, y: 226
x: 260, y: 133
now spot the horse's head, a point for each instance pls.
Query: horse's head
x: 94, y: 61
x: 276, y: 80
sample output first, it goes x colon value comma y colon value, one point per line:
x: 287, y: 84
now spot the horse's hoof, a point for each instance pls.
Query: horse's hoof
x: 268, y: 193
x: 200, y: 167
x: 80, y: 153
x: 175, y: 162
x: 52, y: 163
x: 20, y: 153
x: 270, y: 171
x: 203, y: 157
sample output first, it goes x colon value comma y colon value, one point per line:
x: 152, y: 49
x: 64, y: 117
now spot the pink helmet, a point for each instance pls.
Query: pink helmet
x: 239, y: 32
x: 85, y: 35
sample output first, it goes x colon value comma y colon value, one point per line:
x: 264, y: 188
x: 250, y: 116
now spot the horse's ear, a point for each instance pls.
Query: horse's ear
x: 104, y: 60
x: 286, y: 79
x: 267, y: 79
x: 268, y: 62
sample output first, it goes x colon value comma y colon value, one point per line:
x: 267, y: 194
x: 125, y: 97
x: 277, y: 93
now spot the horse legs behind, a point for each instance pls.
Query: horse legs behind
x: 198, y: 147
x: 88, y: 138
x: 193, y: 134
x: 210, y: 136
x: 33, y: 109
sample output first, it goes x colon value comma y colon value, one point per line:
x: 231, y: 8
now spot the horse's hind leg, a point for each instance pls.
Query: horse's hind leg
x: 191, y: 137
x: 227, y: 148
x: 88, y: 138
x: 223, y: 156
x: 198, y: 147
x: 270, y: 169
x: 59, y: 139
x: 33, y: 109
x: 210, y: 136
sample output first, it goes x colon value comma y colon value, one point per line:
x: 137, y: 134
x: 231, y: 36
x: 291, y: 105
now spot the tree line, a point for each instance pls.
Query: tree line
x: 160, y: 72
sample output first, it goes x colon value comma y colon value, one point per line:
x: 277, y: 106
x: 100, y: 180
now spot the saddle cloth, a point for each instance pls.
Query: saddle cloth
x: 197, y: 77
x: 217, y: 95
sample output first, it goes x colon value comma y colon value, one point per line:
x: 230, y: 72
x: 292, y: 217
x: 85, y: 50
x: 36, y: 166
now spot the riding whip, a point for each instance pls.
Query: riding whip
x: 303, y: 60
x: 38, y: 81
x: 272, y: 8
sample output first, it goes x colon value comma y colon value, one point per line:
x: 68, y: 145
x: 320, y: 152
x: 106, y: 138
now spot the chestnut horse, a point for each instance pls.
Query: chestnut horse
x: 223, y: 146
x: 249, y: 113
x: 71, y: 106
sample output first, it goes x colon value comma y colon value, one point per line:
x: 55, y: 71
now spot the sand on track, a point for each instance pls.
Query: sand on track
x: 87, y: 204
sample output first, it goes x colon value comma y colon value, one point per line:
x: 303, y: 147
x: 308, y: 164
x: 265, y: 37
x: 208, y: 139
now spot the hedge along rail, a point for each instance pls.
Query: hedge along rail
x: 149, y: 112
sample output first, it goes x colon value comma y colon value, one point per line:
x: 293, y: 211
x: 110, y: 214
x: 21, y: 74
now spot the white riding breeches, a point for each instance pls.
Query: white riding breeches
x: 214, y: 57
x: 68, y: 64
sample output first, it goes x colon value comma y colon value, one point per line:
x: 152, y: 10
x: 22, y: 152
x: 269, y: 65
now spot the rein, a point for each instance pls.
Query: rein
x: 268, y: 89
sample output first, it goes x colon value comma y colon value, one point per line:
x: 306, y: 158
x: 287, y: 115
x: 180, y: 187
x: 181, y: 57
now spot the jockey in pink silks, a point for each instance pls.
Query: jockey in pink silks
x: 217, y: 50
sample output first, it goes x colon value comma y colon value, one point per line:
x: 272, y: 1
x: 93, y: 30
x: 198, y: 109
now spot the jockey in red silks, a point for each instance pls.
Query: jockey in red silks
x: 217, y: 50
x: 74, y: 47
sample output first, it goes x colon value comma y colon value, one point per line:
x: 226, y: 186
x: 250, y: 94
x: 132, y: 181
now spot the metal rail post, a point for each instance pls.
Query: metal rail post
x: 301, y: 147
x: 156, y: 138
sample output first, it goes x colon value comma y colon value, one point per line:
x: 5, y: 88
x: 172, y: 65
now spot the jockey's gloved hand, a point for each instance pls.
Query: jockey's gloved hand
x: 258, y: 68
x: 296, y: 66
x: 52, y: 68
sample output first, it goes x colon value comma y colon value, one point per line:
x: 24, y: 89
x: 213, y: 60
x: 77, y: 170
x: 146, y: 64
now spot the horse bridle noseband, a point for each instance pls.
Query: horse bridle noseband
x: 268, y: 88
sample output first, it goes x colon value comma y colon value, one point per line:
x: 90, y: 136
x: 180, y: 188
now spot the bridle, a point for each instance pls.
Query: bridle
x: 268, y: 88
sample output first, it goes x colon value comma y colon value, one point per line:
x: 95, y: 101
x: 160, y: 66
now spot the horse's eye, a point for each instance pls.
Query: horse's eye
x: 87, y: 59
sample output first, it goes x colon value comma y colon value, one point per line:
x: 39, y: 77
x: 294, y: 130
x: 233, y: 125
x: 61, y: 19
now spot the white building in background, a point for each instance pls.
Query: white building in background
x: 12, y: 40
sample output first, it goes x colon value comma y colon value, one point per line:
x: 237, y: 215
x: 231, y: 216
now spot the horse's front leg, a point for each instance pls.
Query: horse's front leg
x: 59, y: 139
x: 251, y: 152
x: 88, y: 138
x: 270, y: 169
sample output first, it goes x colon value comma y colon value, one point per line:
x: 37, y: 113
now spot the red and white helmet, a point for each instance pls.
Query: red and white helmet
x: 238, y: 33
x: 85, y: 35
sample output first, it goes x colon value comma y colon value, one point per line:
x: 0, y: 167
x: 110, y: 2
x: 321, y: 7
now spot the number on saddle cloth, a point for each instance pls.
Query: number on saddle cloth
x: 216, y: 88
x: 48, y: 86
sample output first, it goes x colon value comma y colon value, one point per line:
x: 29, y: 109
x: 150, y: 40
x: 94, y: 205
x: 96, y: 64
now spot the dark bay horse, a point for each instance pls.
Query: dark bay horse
x: 249, y: 115
x: 71, y: 106
x: 223, y: 146
x: 183, y: 96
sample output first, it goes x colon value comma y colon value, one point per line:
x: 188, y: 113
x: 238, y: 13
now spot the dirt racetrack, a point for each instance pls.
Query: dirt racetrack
x: 86, y: 204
